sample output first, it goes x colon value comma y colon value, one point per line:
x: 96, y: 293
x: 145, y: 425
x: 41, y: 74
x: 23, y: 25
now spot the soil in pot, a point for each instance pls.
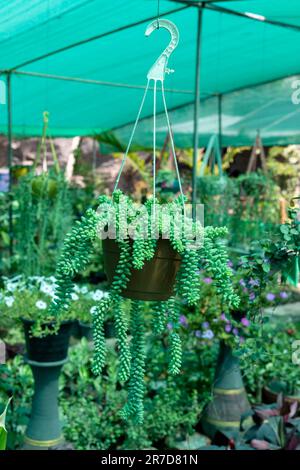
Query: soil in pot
x: 157, y: 278
x: 51, y: 348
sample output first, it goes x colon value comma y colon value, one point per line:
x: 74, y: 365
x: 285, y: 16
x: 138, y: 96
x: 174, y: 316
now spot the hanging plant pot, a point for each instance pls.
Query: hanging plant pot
x: 230, y: 400
x: 46, y: 357
x: 155, y: 281
x: 43, y: 186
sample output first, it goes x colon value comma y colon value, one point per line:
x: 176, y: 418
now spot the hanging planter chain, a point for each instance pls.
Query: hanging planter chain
x: 157, y: 74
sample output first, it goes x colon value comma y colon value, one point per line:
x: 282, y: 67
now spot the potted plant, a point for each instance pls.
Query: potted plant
x: 47, y: 344
x: 275, y: 427
x: 212, y: 320
x: 155, y: 269
x: 83, y: 305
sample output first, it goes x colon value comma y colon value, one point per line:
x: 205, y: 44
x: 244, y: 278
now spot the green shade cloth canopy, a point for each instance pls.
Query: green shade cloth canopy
x: 250, y: 61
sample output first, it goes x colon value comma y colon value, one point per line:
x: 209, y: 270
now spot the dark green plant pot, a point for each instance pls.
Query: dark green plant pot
x: 45, y: 357
x: 51, y: 348
x: 229, y: 400
x: 157, y: 278
x: 86, y: 330
x: 76, y: 330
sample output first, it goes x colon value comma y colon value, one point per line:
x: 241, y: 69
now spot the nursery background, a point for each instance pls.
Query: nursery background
x: 147, y: 344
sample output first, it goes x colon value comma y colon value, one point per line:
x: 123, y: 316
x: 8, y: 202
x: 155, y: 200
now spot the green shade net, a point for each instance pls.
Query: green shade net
x: 251, y: 63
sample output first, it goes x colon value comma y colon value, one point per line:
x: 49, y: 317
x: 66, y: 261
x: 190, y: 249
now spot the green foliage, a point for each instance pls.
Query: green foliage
x: 275, y: 428
x: 133, y: 254
x: 121, y: 329
x: 43, y: 216
x: 218, y: 194
x: 267, y: 357
x: 283, y: 164
x: 259, y: 197
x: 3, y: 430
x: 134, y: 406
x: 4, y: 232
x: 29, y: 298
x: 216, y: 265
x: 91, y: 405
x: 74, y: 258
x: 16, y: 381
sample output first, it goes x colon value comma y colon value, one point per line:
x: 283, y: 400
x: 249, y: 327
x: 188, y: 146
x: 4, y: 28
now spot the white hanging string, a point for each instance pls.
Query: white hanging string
x: 154, y: 147
x: 172, y: 145
x: 131, y: 137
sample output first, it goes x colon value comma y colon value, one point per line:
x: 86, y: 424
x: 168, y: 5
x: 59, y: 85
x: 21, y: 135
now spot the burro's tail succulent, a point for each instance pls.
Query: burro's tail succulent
x: 210, y: 255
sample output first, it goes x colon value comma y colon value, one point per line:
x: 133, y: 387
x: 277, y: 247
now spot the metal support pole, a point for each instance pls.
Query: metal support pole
x: 220, y: 122
x: 196, y: 110
x: 9, y: 163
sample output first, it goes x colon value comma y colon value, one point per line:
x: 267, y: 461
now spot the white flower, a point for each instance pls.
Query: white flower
x: 93, y: 310
x: 97, y: 295
x: 74, y: 296
x: 77, y: 288
x: 47, y: 289
x: 9, y: 301
x: 40, y: 304
x: 11, y: 287
x: 84, y: 290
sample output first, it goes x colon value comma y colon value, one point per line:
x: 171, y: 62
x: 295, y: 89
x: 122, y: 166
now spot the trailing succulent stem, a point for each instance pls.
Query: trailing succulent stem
x: 124, y: 351
x: 175, y: 349
x: 134, y: 406
x: 99, y: 338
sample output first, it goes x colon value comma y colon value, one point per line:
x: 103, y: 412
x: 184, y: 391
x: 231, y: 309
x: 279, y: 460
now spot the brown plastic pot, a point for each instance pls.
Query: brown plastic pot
x: 155, y: 281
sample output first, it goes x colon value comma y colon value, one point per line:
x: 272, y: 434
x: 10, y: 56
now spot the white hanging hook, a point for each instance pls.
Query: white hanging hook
x: 159, y: 68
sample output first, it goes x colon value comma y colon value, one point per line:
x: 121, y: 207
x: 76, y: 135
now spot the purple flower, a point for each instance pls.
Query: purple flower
x: 242, y: 282
x: 183, y: 320
x: 223, y: 317
x: 205, y: 325
x: 230, y: 264
x: 283, y: 295
x: 242, y: 339
x: 252, y: 296
x: 207, y: 280
x: 270, y: 297
x: 228, y: 328
x: 170, y: 326
x: 198, y: 334
x: 235, y: 331
x: 254, y: 282
x: 245, y: 321
x: 208, y: 334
